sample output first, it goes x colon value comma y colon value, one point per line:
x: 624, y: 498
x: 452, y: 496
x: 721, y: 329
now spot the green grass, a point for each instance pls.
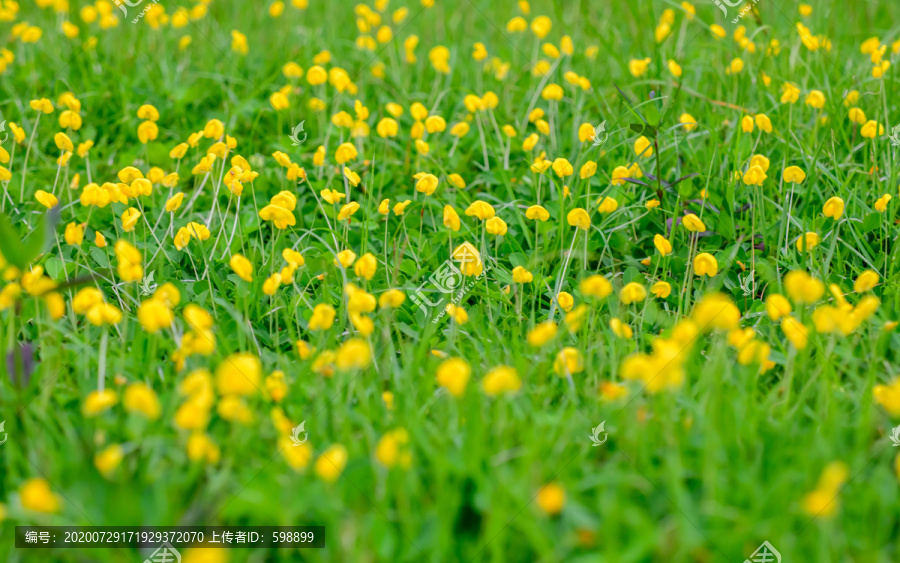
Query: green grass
x: 702, y: 472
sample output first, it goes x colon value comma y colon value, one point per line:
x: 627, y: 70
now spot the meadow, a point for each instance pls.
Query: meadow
x: 458, y: 281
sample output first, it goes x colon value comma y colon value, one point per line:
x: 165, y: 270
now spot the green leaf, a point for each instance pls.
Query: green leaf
x: 54, y: 267
x: 100, y: 257
x: 10, y: 244
x: 871, y: 222
x: 725, y: 226
x: 651, y: 113
x: 33, y: 244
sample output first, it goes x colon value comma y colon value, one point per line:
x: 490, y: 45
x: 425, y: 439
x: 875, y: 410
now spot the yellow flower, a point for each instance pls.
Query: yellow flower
x: 637, y: 67
x: 130, y: 218
x: 596, y: 286
x: 795, y: 331
x: 763, y: 122
x: 803, y: 288
x: 568, y: 362
x: 393, y: 449
x: 201, y: 448
x: 643, y: 148
x: 74, y: 234
x: 139, y: 398
x: 387, y: 127
x: 351, y: 176
x: 496, y: 226
x: 612, y: 391
x: 427, y: 184
x: 662, y: 244
x: 661, y: 289
x: 620, y: 329
x: 35, y: 494
x: 608, y: 205
x: 541, y: 26
x: 521, y: 275
x: 480, y: 209
x: 456, y: 181
x: 279, y: 216
x: 451, y: 218
x: 871, y: 130
x: 579, y: 218
x: 834, y: 208
x: 501, y: 380
x: 63, y: 142
x: 345, y: 258
x: 794, y: 174
x: 565, y: 301
x: 331, y: 463
x: 807, y: 242
x: 353, y: 354
x: 322, y: 317
x: 345, y: 152
x: 108, y: 459
x: 147, y: 131
x: 242, y: 267
x: 239, y: 42
x: 400, y: 207
x: 866, y: 281
x: 366, y: 266
x: 43, y: 105
x: 693, y: 223
x: 754, y: 176
x: 98, y: 401
x: 391, y: 298
x: 238, y: 374
x: 888, y: 396
x: 705, y: 265
x: 453, y: 375
x: 562, y: 167
x: 882, y: 202
x: 747, y: 124
x: 815, y: 99
x: 777, y: 306
x: 588, y: 170
x: 632, y: 293
x: 688, y: 121
x: 46, y: 199
x: 542, y: 333
x: 154, y: 315
x: 537, y: 212
x: 270, y: 286
x: 551, y: 499
x: 674, y: 68
x: 790, y: 93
